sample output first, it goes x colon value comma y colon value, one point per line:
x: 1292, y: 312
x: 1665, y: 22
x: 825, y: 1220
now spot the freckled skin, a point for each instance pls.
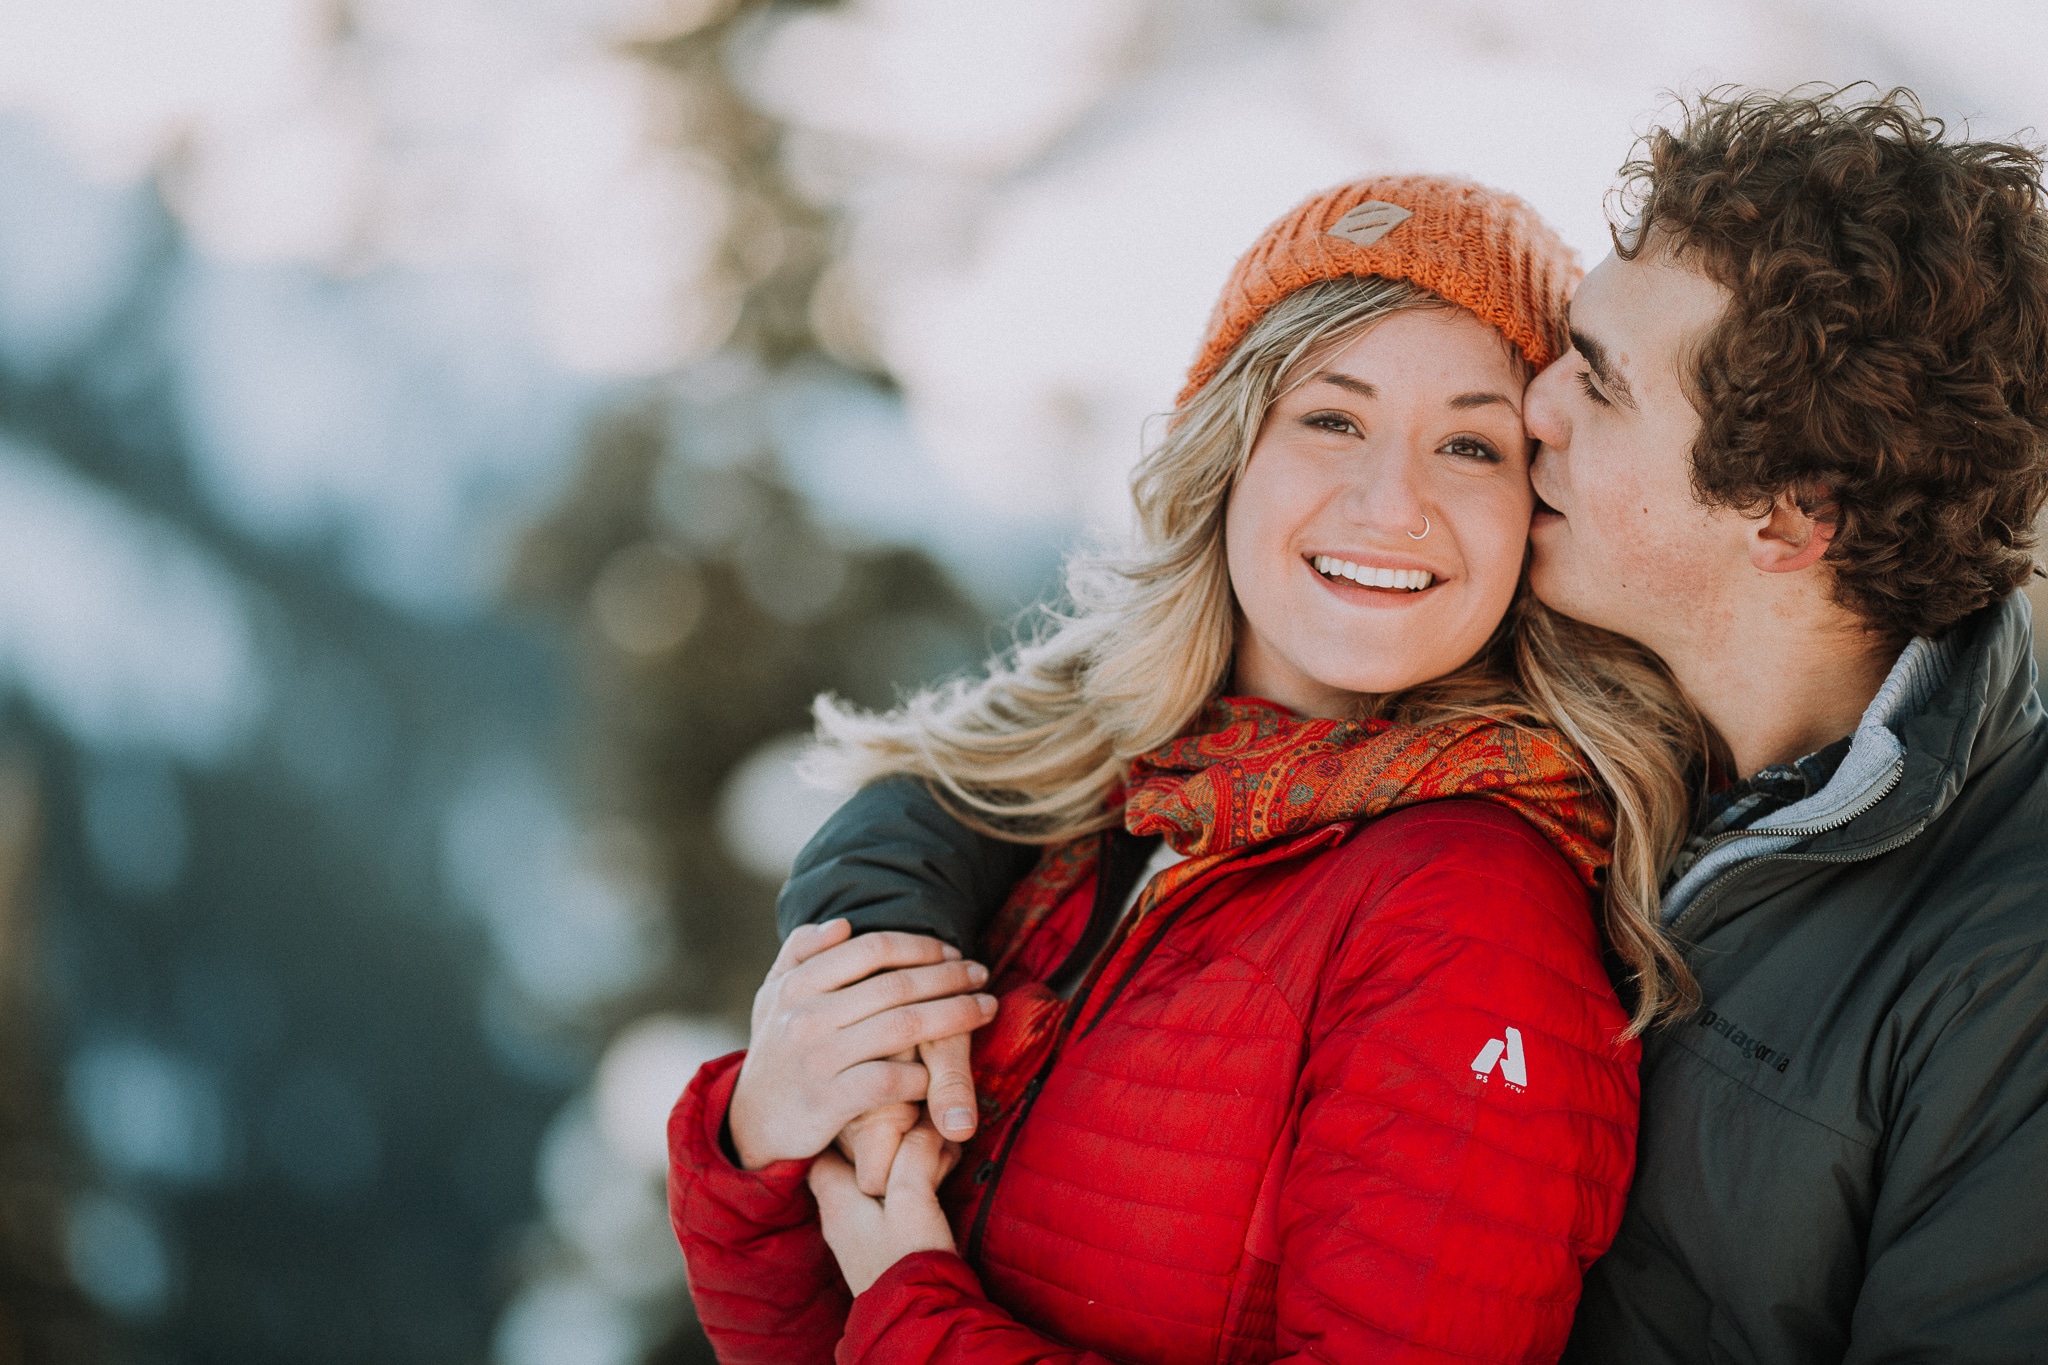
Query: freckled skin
x: 1337, y: 472
x: 1672, y: 562
x: 1740, y: 607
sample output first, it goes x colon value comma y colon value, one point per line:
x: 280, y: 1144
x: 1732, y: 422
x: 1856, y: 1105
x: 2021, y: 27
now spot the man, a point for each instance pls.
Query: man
x: 1798, y: 451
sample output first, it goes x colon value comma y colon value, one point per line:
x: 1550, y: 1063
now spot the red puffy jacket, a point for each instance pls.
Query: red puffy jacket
x: 1355, y: 1097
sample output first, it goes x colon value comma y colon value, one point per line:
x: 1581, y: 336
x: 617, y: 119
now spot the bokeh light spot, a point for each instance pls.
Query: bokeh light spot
x: 147, y: 1112
x: 117, y: 1256
x: 647, y: 599
x: 767, y: 812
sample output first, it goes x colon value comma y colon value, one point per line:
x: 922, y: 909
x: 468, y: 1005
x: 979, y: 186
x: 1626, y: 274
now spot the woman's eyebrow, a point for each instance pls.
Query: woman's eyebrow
x: 1345, y: 381
x: 1480, y: 400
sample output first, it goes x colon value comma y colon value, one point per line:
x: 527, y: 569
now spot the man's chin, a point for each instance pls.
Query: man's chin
x: 1548, y: 580
x: 1555, y: 590
x: 1562, y: 580
x: 1546, y: 535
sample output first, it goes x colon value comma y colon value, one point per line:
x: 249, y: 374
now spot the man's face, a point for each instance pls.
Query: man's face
x: 1618, y: 539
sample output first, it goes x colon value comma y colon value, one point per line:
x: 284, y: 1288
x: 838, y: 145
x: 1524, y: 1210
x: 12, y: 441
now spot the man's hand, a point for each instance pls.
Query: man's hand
x: 951, y: 1094
x: 828, y: 1020
x: 869, y: 1235
x: 869, y: 1142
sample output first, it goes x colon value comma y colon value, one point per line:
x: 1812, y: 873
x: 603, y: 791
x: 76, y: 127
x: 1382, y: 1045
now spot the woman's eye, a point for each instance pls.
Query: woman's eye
x: 1331, y: 421
x: 1471, y: 448
x: 1586, y: 383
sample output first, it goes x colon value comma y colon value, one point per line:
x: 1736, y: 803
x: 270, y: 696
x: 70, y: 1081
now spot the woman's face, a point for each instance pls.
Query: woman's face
x: 1419, y: 418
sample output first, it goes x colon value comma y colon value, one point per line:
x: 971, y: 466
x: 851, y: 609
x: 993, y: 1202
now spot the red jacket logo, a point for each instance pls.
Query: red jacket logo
x: 1505, y: 1053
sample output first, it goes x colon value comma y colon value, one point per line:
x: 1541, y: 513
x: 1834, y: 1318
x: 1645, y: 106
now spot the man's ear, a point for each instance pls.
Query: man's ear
x: 1794, y: 534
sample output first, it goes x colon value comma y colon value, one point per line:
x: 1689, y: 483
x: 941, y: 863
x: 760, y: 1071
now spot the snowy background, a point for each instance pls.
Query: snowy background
x: 408, y: 407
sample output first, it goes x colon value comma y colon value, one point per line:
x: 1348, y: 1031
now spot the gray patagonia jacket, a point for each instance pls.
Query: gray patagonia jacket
x: 1844, y: 1154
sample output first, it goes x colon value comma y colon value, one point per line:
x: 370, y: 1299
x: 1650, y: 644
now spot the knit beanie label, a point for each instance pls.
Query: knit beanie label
x: 1369, y: 222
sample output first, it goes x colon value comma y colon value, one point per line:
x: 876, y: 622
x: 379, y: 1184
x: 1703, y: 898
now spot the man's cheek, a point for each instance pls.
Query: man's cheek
x: 1660, y: 560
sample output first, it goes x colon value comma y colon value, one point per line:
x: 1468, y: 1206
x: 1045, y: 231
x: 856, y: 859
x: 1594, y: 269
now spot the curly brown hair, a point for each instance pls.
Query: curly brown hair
x: 1884, y: 355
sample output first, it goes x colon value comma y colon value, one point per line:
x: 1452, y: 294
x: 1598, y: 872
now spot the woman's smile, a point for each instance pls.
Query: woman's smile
x: 1376, y: 535
x: 1372, y: 578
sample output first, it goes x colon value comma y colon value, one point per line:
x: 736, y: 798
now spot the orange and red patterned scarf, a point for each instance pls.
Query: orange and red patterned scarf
x: 1249, y: 772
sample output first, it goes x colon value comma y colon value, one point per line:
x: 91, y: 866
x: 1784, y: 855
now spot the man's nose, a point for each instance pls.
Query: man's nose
x: 1542, y: 412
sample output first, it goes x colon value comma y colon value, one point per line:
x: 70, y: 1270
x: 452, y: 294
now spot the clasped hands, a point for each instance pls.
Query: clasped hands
x: 849, y: 1035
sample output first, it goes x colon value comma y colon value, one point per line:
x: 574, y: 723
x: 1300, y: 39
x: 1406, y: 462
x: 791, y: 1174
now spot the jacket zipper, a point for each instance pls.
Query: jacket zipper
x: 1891, y: 780
x: 1113, y: 856
x: 1711, y: 893
x: 1162, y: 923
x: 992, y: 1170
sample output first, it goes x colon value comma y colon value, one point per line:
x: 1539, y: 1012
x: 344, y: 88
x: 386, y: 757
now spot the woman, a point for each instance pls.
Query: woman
x: 1304, y: 1047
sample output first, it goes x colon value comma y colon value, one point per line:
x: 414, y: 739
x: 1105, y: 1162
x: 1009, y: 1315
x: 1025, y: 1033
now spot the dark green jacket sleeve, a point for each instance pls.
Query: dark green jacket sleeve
x: 1958, y: 1249
x: 892, y: 858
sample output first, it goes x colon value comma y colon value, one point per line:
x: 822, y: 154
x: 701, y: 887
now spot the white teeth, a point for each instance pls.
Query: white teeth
x: 1410, y: 580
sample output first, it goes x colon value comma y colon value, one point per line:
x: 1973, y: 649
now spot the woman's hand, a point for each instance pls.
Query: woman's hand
x: 870, y: 1235
x: 831, y: 1014
x: 869, y: 1142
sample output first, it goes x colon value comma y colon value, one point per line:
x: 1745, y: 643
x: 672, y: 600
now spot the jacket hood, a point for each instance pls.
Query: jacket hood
x: 1989, y: 703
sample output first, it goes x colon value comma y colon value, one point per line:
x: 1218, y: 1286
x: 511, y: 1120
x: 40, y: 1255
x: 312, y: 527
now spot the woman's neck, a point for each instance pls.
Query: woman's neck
x: 1259, y: 673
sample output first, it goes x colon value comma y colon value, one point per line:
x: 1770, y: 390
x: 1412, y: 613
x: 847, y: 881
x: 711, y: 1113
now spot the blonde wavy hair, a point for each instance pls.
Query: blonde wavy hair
x: 1031, y: 751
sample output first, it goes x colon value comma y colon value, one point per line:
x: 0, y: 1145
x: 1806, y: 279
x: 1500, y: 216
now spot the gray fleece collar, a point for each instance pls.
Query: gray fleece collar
x: 1872, y: 767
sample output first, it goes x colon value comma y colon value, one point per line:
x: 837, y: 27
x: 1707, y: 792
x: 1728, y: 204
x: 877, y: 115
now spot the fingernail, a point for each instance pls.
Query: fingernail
x: 987, y: 1003
x: 952, y: 954
x: 976, y: 973
x: 959, y: 1120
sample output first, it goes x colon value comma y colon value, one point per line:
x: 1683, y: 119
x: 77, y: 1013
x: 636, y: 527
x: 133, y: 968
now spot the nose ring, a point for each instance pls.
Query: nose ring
x: 1425, y: 529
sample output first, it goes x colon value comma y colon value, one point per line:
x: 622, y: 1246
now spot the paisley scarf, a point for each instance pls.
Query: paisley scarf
x: 1249, y: 772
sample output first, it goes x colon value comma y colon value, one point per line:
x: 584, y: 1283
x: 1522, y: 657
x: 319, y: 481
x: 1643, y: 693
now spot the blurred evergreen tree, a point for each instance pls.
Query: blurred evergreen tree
x: 707, y: 602
x: 691, y: 658
x: 298, y: 972
x: 296, y: 989
x: 43, y: 1318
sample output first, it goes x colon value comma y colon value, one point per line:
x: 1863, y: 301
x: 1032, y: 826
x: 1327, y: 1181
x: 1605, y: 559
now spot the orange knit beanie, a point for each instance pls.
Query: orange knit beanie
x: 1482, y: 249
